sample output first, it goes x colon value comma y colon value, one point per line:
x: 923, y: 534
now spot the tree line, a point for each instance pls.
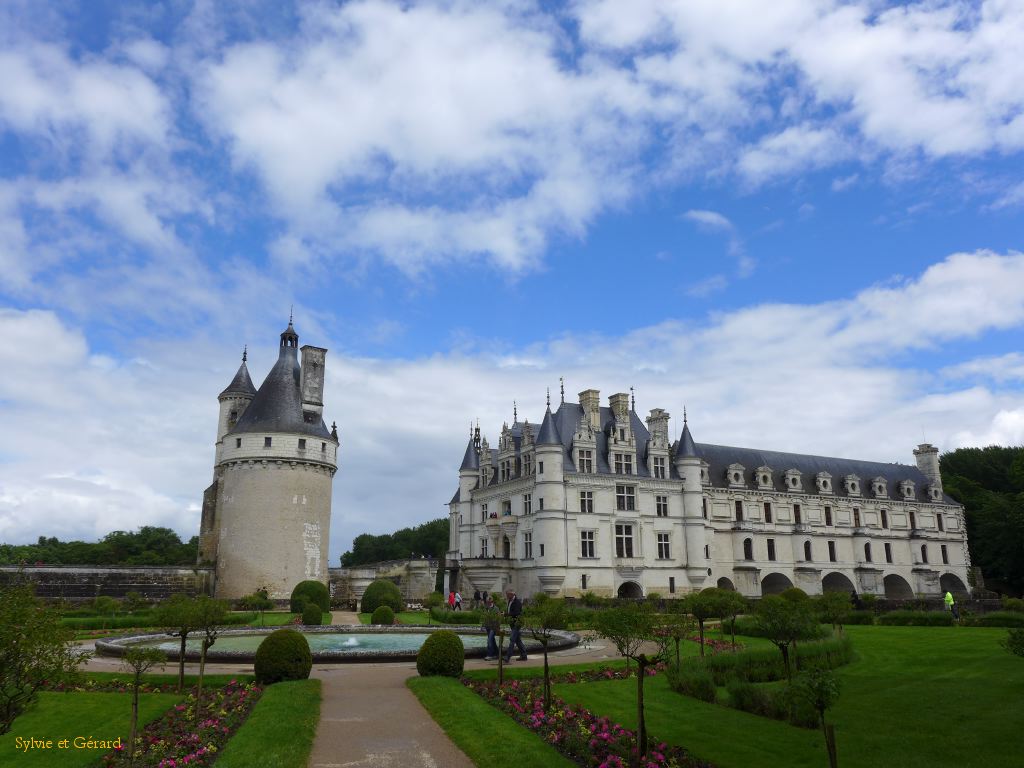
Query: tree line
x: 426, y: 540
x: 149, y: 545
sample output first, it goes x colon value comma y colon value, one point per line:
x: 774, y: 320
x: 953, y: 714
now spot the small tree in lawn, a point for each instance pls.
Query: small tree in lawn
x: 632, y: 628
x: 541, y: 619
x: 820, y: 687
x: 833, y: 608
x: 703, y: 605
x: 258, y: 601
x: 678, y: 624
x: 209, y: 616
x: 1014, y: 642
x: 178, y: 614
x: 34, y: 650
x: 135, y: 602
x: 732, y: 605
x: 139, y: 660
x: 784, y: 622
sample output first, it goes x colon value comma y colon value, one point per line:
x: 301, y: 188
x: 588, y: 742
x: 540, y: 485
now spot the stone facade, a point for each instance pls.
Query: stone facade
x: 267, y: 515
x: 84, y: 583
x: 415, y: 579
x: 600, y: 501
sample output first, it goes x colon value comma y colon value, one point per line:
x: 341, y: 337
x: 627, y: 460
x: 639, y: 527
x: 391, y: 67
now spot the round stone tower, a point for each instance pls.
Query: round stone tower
x: 267, y: 515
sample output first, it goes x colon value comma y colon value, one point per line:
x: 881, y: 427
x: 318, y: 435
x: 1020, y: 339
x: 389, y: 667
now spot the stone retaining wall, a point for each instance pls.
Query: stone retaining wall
x: 83, y: 583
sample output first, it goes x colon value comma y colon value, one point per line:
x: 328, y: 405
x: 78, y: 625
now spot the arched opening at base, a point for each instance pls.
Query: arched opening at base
x: 630, y: 590
x: 506, y: 547
x: 897, y: 588
x: 836, y: 582
x: 774, y: 583
x: 724, y: 583
x: 951, y: 583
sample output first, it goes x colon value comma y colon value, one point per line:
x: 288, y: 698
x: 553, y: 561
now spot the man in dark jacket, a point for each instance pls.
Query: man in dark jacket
x: 515, y: 622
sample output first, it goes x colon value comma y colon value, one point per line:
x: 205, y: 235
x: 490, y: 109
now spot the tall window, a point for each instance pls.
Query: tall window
x: 483, y: 511
x: 625, y: 497
x: 748, y: 549
x: 856, y: 518
x: 659, y: 467
x: 807, y: 551
x: 767, y: 511
x: 924, y: 553
x: 587, y: 502
x: 483, y: 547
x: 796, y: 514
x: 664, y: 552
x: 671, y: 585
x: 540, y: 503
x: 704, y: 507
x: 661, y: 506
x: 540, y: 467
x: 945, y: 554
x: 867, y: 552
x: 832, y: 551
x: 828, y: 515
x: 528, y: 464
x: 587, y: 461
x: 527, y: 503
x: 771, y: 549
x: 583, y: 581
x: 913, y: 522
x: 623, y: 464
x: 739, y: 511
x: 528, y: 545
x: 888, y: 553
x: 938, y: 520
x: 586, y: 543
x: 506, y: 508
x: 623, y: 540
x: 707, y: 551
x: 885, y: 519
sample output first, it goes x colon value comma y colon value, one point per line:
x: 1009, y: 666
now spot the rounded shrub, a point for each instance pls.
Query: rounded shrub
x: 310, y: 592
x: 312, y: 615
x: 442, y: 654
x: 383, y: 615
x: 382, y: 592
x: 283, y: 655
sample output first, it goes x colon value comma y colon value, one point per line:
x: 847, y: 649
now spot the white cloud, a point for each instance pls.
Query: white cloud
x: 796, y: 149
x: 709, y: 219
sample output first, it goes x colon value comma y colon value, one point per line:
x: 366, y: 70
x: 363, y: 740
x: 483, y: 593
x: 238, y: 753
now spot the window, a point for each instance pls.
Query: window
x: 771, y: 549
x: 888, y: 553
x: 506, y: 508
x: 707, y: 551
x: 924, y: 553
x: 266, y: 442
x: 323, y: 447
x: 807, y: 551
x: 796, y: 514
x: 828, y: 515
x: 622, y: 433
x: 527, y: 503
x: 664, y: 552
x: 767, y: 511
x: 586, y: 544
x: 587, y: 502
x: 671, y: 585
x: 867, y: 552
x: 832, y: 551
x: 739, y: 511
x: 587, y: 461
x: 540, y: 467
x: 583, y: 581
x: 913, y: 522
x: 659, y: 467
x: 302, y: 443
x: 623, y: 464
x: 885, y: 519
x: 483, y: 511
x: 483, y: 547
x: 238, y: 442
x: 856, y: 518
x: 233, y: 418
x: 540, y: 503
x: 661, y: 506
x: 623, y: 540
x: 625, y: 497
x: 542, y: 550
x: 748, y: 549
x: 704, y: 507
x: 528, y: 464
x: 945, y: 554
x: 938, y: 520
x: 528, y: 545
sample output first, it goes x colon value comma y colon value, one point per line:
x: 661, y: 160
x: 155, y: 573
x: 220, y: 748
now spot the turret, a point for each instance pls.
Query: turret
x: 688, y: 466
x: 235, y: 399
x: 927, y: 456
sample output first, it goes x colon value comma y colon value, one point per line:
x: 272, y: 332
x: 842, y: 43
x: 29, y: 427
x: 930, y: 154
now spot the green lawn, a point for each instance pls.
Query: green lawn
x: 68, y: 715
x: 214, y: 681
x: 488, y: 737
x: 403, y: 617
x: 917, y: 697
x: 279, y: 732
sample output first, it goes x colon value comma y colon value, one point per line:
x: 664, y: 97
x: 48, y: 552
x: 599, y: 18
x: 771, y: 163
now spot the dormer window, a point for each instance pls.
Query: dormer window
x: 764, y: 477
x: 823, y: 481
x: 907, y: 489
x: 734, y: 474
x: 623, y: 464
x: 879, y: 488
x: 852, y: 485
x: 934, y: 493
x: 794, y: 480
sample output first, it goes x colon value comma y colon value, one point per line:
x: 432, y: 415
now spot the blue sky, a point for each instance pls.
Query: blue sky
x: 804, y: 223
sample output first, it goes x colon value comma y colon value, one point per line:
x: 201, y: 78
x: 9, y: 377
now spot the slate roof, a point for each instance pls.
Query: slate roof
x: 472, y: 459
x: 686, y: 447
x: 241, y: 384
x: 548, y: 434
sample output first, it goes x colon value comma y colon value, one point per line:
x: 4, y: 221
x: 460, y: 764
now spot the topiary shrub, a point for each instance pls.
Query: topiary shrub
x: 312, y: 615
x: 383, y: 615
x: 382, y: 592
x: 310, y: 592
x: 442, y: 654
x: 283, y: 655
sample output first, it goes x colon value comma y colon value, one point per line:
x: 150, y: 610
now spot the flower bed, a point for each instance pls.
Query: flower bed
x: 183, y: 737
x: 580, y: 735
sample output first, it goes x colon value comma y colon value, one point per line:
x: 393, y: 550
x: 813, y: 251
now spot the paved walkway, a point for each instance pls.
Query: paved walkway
x: 370, y: 719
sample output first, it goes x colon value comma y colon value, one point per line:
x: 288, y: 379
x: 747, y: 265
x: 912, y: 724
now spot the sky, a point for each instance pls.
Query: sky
x: 803, y: 221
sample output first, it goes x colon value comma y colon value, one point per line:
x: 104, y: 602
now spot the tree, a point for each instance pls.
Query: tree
x: 678, y: 624
x: 833, y: 608
x: 104, y: 606
x: 704, y: 605
x: 1014, y: 642
x: 820, y: 687
x: 783, y: 623
x: 139, y: 660
x: 258, y: 601
x: 542, y: 618
x: 34, y: 650
x: 632, y: 628
x: 209, y: 616
x: 733, y: 604
x: 177, y: 613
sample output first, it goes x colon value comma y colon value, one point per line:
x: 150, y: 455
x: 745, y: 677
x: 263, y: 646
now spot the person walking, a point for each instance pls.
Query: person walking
x: 515, y: 623
x: 492, y: 622
x: 451, y: 600
x: 476, y: 600
x: 951, y: 606
x: 458, y: 601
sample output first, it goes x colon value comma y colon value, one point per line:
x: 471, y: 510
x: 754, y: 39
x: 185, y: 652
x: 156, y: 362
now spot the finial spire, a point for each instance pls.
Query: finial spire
x: 291, y: 314
x: 549, y: 398
x: 632, y: 398
x: 515, y: 412
x: 245, y: 353
x: 684, y: 415
x: 561, y: 386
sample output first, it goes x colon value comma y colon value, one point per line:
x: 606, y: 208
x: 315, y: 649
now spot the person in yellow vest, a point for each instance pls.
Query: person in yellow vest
x: 951, y: 605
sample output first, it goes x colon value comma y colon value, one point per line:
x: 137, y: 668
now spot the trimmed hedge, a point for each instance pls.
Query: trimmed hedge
x: 382, y: 592
x: 310, y: 592
x: 442, y: 616
x: 916, y: 619
x: 747, y: 625
x: 776, y: 703
x: 383, y: 615
x: 283, y: 655
x: 763, y: 665
x: 697, y: 683
x: 859, y: 617
x: 312, y: 615
x: 1012, y: 619
x: 140, y: 620
x: 442, y: 654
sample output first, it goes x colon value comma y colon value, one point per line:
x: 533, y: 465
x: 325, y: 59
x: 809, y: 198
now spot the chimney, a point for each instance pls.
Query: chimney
x: 312, y: 381
x: 657, y: 424
x: 590, y: 400
x: 619, y: 404
x: 927, y: 456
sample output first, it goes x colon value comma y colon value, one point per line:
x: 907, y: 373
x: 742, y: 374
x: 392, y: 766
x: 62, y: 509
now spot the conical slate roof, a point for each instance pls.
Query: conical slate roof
x: 548, y: 434
x: 472, y: 459
x: 241, y: 384
x: 686, y: 447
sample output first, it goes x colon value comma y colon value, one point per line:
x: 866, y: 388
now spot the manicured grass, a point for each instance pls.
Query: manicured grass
x: 488, y: 737
x: 214, y: 681
x: 279, y: 732
x: 403, y: 617
x: 519, y: 672
x: 105, y: 716
x: 917, y: 697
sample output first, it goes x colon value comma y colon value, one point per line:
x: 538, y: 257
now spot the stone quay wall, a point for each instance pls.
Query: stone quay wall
x: 83, y: 583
